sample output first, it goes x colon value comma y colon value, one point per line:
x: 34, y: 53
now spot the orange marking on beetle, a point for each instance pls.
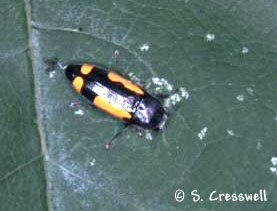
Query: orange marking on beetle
x: 126, y: 83
x: 114, y: 111
x: 78, y: 83
x: 86, y: 69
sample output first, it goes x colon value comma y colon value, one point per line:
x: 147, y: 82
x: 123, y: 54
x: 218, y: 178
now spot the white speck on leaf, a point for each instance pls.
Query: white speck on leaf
x: 274, y: 161
x: 70, y: 29
x: 273, y: 168
x: 276, y: 118
x: 259, y: 145
x: 79, y: 112
x: 144, y: 47
x: 134, y: 78
x: 46, y: 157
x: 230, y: 132
x: 92, y: 163
x: 244, y: 50
x: 210, y: 37
x: 51, y: 74
x: 139, y: 133
x: 202, y: 133
x: 161, y: 84
x: 172, y: 100
x: 149, y: 136
x: 175, y: 98
x: 184, y: 93
x: 240, y: 98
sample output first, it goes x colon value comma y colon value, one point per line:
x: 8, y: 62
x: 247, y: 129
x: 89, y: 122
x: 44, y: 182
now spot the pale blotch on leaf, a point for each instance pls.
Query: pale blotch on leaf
x: 273, y: 168
x: 244, y: 50
x: 175, y: 98
x: 161, y: 84
x: 274, y: 161
x: 79, y: 112
x: 134, y: 78
x: 51, y: 74
x: 144, y: 47
x: 230, y: 132
x: 184, y: 93
x: 240, y: 98
x: 202, y: 133
x: 249, y: 90
x: 210, y: 37
x: 149, y: 136
x: 92, y: 163
x: 259, y: 145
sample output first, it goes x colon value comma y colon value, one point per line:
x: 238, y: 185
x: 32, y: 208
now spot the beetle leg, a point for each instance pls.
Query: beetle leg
x: 76, y: 104
x: 139, y: 131
x: 115, y: 56
x: 54, y: 64
x: 108, y: 145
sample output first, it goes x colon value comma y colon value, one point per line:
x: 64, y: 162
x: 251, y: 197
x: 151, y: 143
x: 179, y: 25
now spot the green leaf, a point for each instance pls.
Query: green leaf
x: 22, y: 177
x: 222, y: 137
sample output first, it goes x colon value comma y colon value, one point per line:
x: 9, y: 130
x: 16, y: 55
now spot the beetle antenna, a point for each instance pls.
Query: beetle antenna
x: 165, y: 96
x: 54, y: 64
x: 115, y: 136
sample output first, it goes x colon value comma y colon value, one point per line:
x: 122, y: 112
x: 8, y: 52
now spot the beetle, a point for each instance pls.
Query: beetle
x: 117, y: 96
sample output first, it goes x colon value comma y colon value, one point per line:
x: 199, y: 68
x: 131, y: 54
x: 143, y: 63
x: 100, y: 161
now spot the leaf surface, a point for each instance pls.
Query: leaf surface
x: 221, y: 138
